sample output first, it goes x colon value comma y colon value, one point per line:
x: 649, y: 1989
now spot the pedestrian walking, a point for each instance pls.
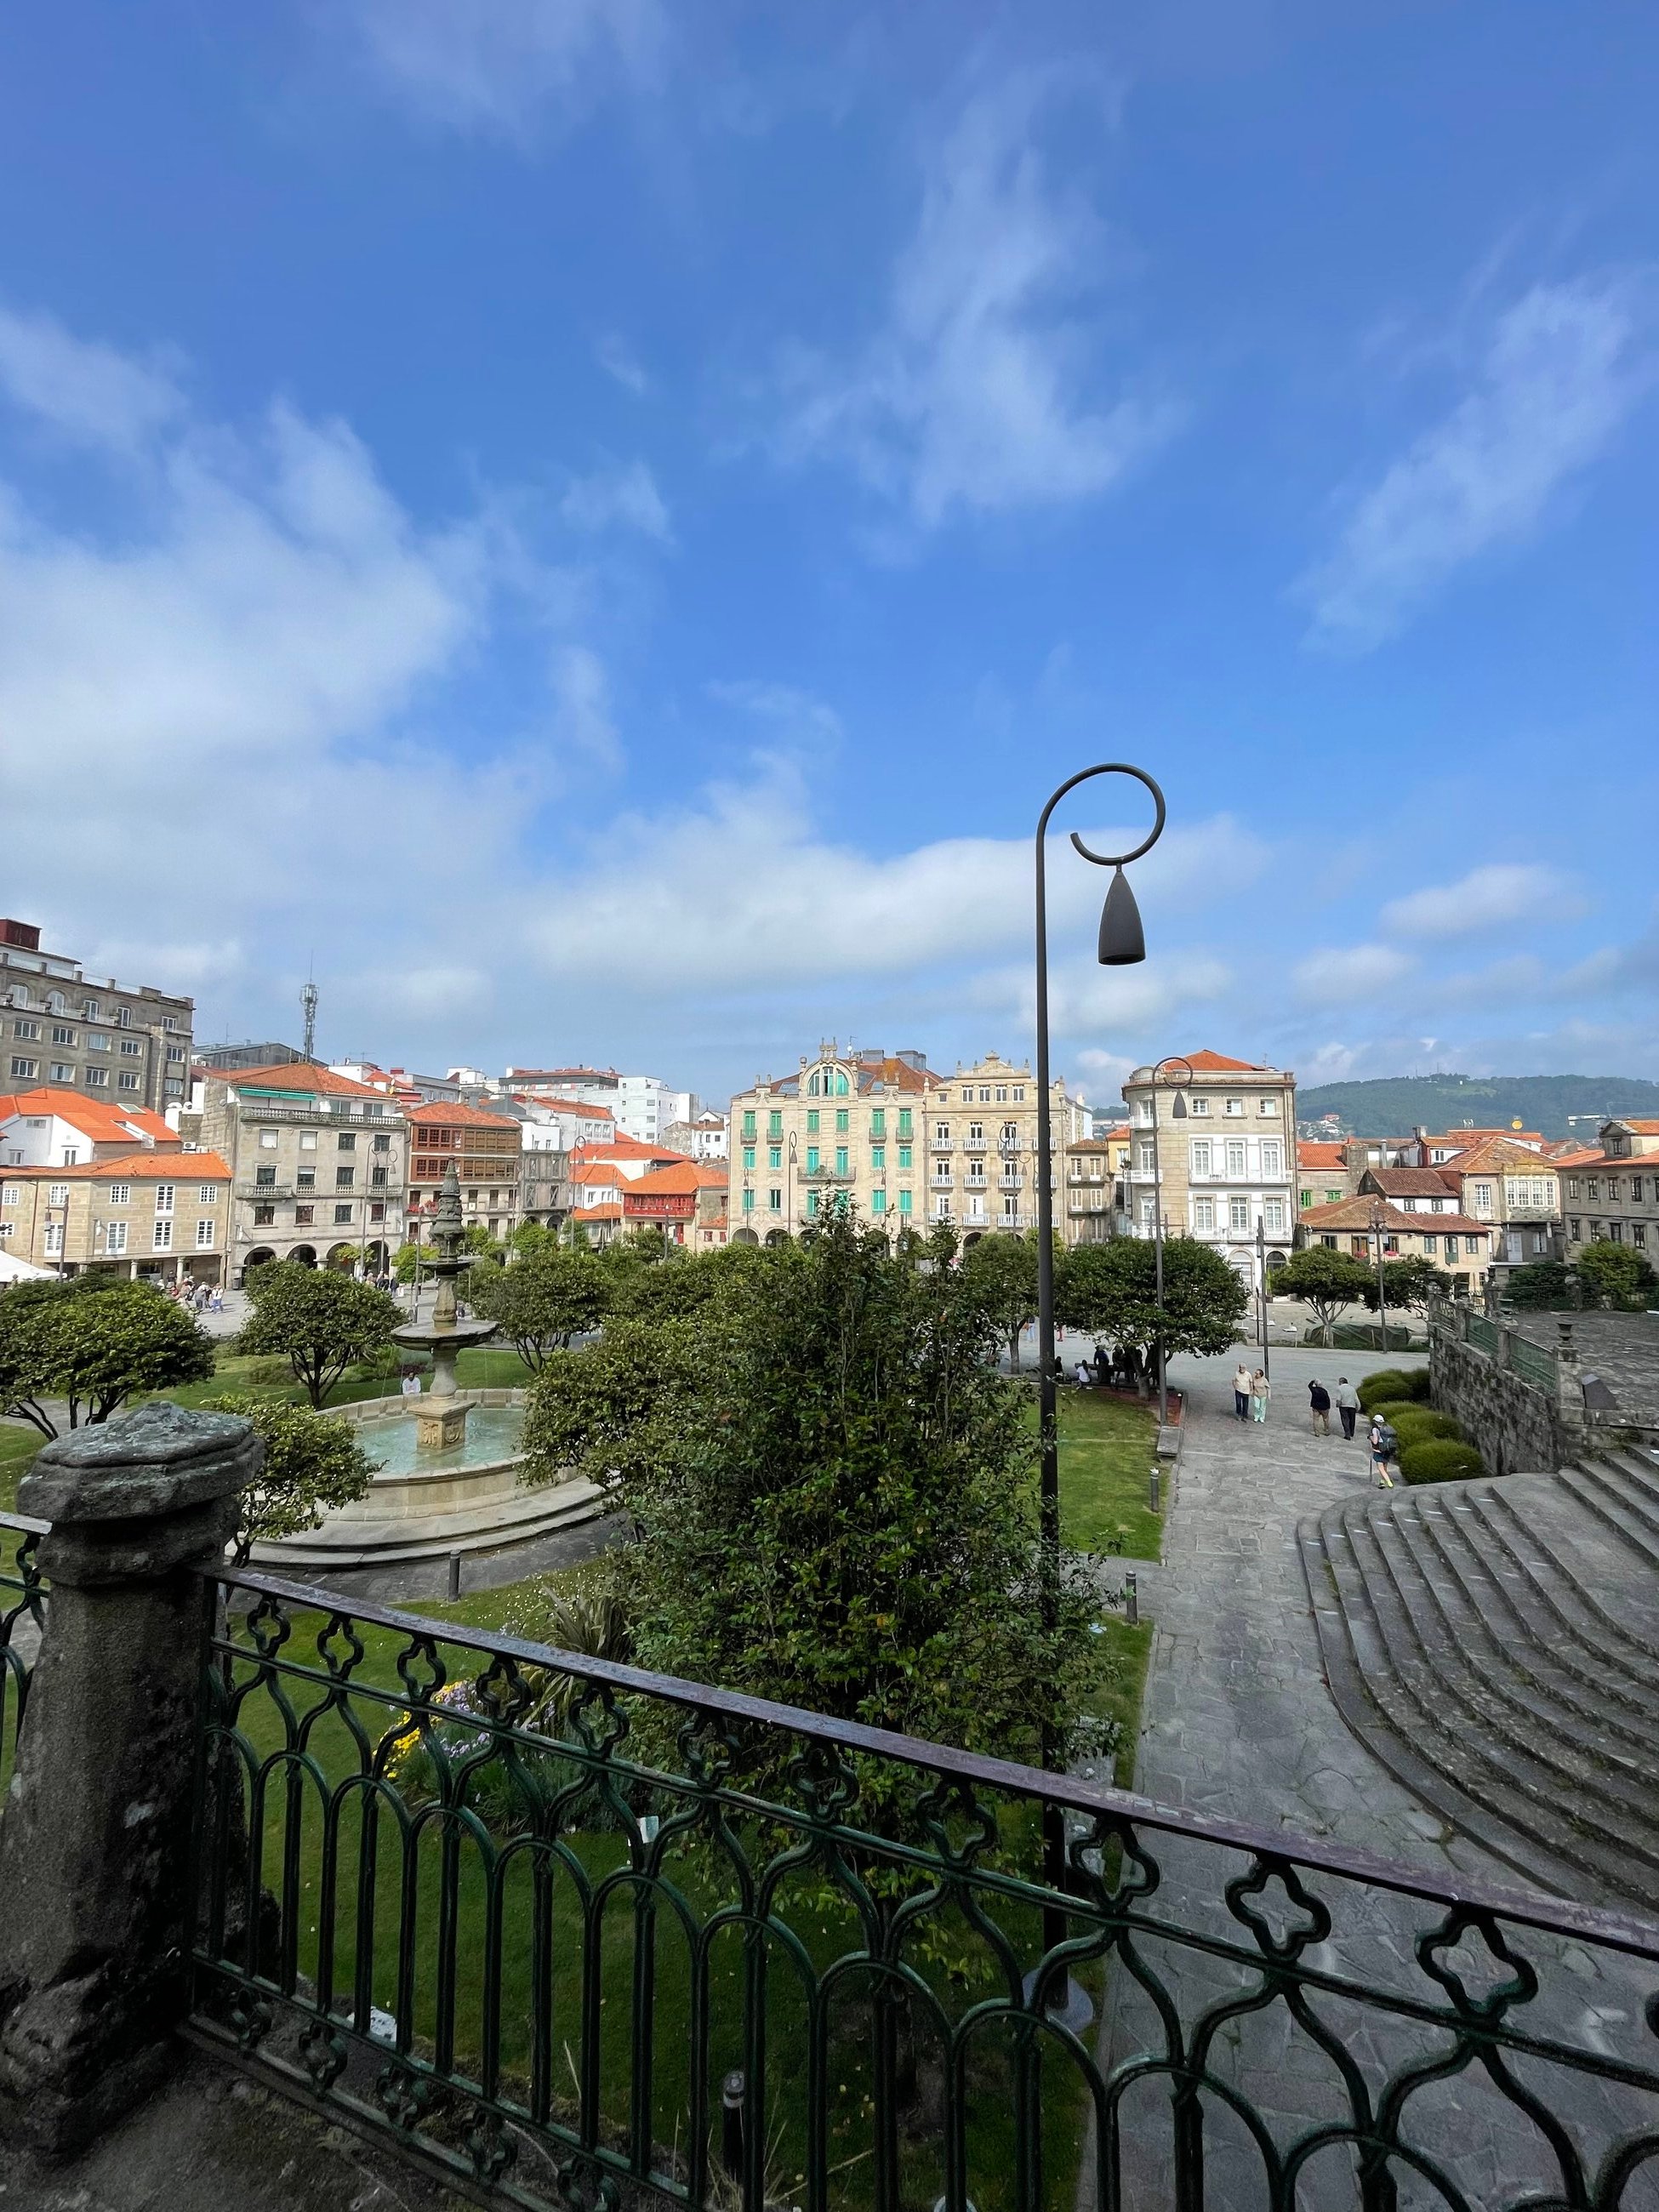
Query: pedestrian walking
x: 1384, y: 1443
x: 1242, y: 1392
x: 1319, y: 1402
x: 1347, y: 1405
x: 1261, y: 1391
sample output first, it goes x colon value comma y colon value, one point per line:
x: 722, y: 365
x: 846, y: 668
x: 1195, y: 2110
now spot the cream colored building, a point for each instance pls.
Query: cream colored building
x: 982, y: 1148
x: 1225, y: 1148
x: 1095, y: 1169
x: 159, y: 1214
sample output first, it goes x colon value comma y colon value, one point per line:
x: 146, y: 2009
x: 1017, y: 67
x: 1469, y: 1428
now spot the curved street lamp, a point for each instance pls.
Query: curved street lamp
x: 1120, y: 943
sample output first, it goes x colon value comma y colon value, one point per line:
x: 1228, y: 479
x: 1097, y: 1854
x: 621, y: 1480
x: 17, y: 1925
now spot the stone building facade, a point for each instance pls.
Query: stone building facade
x: 487, y: 1149
x: 319, y: 1166
x: 119, y: 1044
x: 1225, y: 1150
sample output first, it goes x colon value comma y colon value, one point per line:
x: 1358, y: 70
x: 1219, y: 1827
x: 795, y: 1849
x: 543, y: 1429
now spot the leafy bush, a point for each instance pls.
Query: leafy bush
x: 1388, y: 1382
x: 1439, y: 1460
x: 1418, y: 1424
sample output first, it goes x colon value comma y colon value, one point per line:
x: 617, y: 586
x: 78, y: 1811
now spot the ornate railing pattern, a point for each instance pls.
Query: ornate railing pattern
x: 598, y: 1937
x: 22, y: 1617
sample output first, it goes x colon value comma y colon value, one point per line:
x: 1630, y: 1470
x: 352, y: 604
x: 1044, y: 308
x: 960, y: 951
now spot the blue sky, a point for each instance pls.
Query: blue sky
x: 693, y: 481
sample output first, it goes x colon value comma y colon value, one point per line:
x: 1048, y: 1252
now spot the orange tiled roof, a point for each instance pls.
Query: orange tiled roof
x: 624, y: 1148
x: 1637, y: 1128
x: 1216, y: 1063
x: 1492, y: 1153
x: 134, y: 1167
x: 1356, y: 1213
x: 1311, y: 1153
x: 567, y: 1106
x: 96, y: 1118
x: 1465, y: 1138
x: 681, y: 1178
x: 1409, y: 1182
x: 439, y: 1114
x: 1592, y: 1156
x: 297, y: 1075
x: 596, y: 1214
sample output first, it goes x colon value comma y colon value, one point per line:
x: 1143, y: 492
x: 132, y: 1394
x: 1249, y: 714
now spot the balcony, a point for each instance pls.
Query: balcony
x: 976, y: 1182
x: 827, y: 1175
x: 941, y: 1181
x: 1009, y: 1179
x: 975, y: 1144
x: 1007, y: 1143
x: 266, y: 1193
x: 940, y: 1145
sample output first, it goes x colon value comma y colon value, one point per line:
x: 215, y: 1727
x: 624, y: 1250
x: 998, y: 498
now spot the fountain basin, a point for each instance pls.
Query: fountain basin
x: 424, y: 1504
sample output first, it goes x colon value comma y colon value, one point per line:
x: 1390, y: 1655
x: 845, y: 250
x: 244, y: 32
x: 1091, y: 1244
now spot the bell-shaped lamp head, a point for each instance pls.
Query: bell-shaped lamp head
x: 1122, y: 940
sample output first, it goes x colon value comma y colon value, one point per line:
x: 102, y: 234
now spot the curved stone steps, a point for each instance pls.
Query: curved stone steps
x: 1540, y: 1773
x: 1497, y: 1644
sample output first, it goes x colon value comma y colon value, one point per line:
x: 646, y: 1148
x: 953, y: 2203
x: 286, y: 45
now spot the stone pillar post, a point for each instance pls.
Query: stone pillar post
x: 1569, y: 1393
x: 95, y: 1832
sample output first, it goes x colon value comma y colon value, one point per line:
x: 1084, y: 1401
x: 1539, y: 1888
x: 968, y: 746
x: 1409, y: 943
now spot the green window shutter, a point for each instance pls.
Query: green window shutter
x: 841, y: 1159
x: 905, y: 1121
x: 749, y: 1124
x: 749, y: 1155
x: 878, y: 1202
x: 811, y: 1201
x: 841, y: 1121
x: 904, y: 1156
x: 812, y: 1120
x: 774, y: 1123
x: 904, y: 1202
x: 811, y: 1159
x: 878, y: 1122
x: 749, y: 1201
x: 878, y: 1159
x: 775, y: 1156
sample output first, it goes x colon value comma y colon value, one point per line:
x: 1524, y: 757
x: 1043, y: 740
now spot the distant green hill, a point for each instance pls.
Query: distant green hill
x: 1396, y: 1104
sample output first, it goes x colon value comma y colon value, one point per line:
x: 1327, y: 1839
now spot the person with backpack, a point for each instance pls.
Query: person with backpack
x: 1319, y: 1403
x: 1347, y: 1405
x: 1384, y: 1443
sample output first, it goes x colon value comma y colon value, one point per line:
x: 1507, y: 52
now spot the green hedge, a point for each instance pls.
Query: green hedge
x: 1419, y: 1425
x: 1439, y: 1460
x: 1394, y: 1384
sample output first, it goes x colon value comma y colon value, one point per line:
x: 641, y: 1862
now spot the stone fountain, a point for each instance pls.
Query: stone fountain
x: 439, y: 1414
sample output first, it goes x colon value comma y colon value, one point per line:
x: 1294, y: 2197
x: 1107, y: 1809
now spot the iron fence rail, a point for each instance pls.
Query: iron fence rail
x: 534, y: 1915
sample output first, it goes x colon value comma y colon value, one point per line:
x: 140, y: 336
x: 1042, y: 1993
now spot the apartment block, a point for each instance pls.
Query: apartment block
x: 486, y: 1148
x: 319, y: 1166
x: 125, y: 1044
x: 1611, y: 1196
x: 846, y: 1125
x: 983, y: 1149
x: 1216, y: 1155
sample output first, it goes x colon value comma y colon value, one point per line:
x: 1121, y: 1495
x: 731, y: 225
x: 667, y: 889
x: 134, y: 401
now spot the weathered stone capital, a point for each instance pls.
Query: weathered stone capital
x: 131, y: 1499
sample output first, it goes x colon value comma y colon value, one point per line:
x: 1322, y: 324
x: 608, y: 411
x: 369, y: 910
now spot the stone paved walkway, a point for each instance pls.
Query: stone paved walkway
x: 1238, y: 1724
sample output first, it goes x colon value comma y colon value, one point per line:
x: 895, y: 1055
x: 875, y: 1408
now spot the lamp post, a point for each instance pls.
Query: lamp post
x: 1122, y: 943
x: 1177, y: 1112
x: 1382, y: 1301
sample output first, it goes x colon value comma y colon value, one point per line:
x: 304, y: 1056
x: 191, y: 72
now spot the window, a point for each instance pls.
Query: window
x: 812, y: 1203
x: 1330, y: 1243
x: 120, y: 1193
x: 126, y: 1082
x: 377, y: 1177
x: 1471, y: 1245
x: 28, y: 1069
x: 775, y: 1201
x: 1235, y: 1156
x: 1273, y: 1217
x: 115, y: 1238
x: 748, y: 1123
x: 308, y: 1140
x: 1612, y: 1188
x: 265, y: 1178
x: 1144, y: 1112
x: 1233, y: 1106
x: 162, y: 1237
x: 1267, y: 1108
x: 342, y: 1214
x: 204, y: 1235
x: 775, y: 1122
x: 1239, y: 1213
x: 976, y: 1132
x: 1307, y: 1198
x: 344, y: 1178
x: 377, y: 1212
x: 748, y: 1158
x: 123, y: 1018
x: 26, y: 1029
x: 97, y: 1078
x: 1593, y: 1187
x: 97, y: 1042
x: 303, y: 1215
x: 61, y: 1034
x: 1272, y: 1157
x: 904, y: 1155
x: 775, y: 1156
x: 164, y: 1198
x: 841, y: 1121
x: 1483, y: 1198
x: 54, y: 1239
x: 382, y: 1144
x: 1616, y: 1232
x: 941, y: 1132
x: 58, y: 1193
x: 878, y: 1159
x: 1199, y: 1107
x: 176, y: 1052
x: 305, y: 1179
x: 904, y: 1202
x: 878, y: 1201
x: 1144, y: 1156
x: 1201, y: 1155
x: 63, y: 1071
x: 841, y: 1159
x: 1638, y: 1234
x: 877, y: 1123
x: 1573, y: 1227
x: 1332, y: 1198
x: 812, y: 1158
x: 347, y: 1140
x: 131, y: 1047
x: 1203, y: 1215
x: 1002, y: 1094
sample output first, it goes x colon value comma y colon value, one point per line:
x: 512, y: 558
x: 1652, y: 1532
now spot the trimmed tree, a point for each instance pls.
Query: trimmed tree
x: 1542, y: 1286
x: 95, y: 1344
x: 1329, y: 1282
x: 313, y: 1464
x: 1001, y: 1273
x: 833, y: 1494
x: 1614, y: 1275
x: 317, y: 1320
x: 1111, y: 1290
x: 541, y: 1302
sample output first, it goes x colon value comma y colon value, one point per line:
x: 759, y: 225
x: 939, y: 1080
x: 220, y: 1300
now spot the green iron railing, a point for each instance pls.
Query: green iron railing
x: 1533, y: 1365
x: 1482, y: 1333
x: 586, y: 1936
x: 22, y: 1616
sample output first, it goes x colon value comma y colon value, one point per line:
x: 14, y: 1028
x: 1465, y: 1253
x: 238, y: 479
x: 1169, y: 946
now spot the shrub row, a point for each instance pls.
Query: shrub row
x: 1439, y: 1459
x: 1390, y: 1384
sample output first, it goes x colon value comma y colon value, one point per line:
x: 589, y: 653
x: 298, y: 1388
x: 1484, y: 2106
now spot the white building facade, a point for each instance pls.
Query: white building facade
x: 1221, y: 1144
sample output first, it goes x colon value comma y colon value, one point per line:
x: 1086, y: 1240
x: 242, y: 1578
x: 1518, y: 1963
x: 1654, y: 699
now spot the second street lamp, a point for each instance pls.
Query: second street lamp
x: 1180, y: 1077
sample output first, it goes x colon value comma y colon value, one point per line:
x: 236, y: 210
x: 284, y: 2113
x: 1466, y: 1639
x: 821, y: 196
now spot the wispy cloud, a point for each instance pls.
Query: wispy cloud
x: 980, y: 395
x: 625, y: 498
x: 508, y: 68
x: 86, y: 392
x: 1492, y: 898
x: 1341, y: 973
x: 1560, y: 372
x: 618, y: 360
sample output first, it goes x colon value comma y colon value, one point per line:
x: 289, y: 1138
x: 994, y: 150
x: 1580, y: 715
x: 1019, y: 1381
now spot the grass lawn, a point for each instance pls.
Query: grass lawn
x: 19, y: 1442
x: 1106, y: 1452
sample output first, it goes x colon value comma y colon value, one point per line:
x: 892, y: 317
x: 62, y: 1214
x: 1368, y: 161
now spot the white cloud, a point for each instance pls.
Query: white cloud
x: 791, y: 715
x: 1339, y: 973
x: 618, y: 360
x: 1491, y: 897
x: 89, y: 394
x: 977, y: 395
x: 1561, y: 370
x: 625, y: 498
x: 583, y: 714
x: 503, y: 67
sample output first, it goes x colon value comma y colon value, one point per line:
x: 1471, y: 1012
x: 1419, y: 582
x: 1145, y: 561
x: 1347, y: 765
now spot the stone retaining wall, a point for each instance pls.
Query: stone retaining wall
x: 1516, y: 1427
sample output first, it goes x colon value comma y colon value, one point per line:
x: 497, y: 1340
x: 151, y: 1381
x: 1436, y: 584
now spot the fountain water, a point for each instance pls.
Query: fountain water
x: 440, y: 1414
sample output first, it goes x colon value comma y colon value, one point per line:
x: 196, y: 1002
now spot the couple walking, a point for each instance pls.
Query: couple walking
x: 1250, y: 1393
x: 1347, y: 1405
